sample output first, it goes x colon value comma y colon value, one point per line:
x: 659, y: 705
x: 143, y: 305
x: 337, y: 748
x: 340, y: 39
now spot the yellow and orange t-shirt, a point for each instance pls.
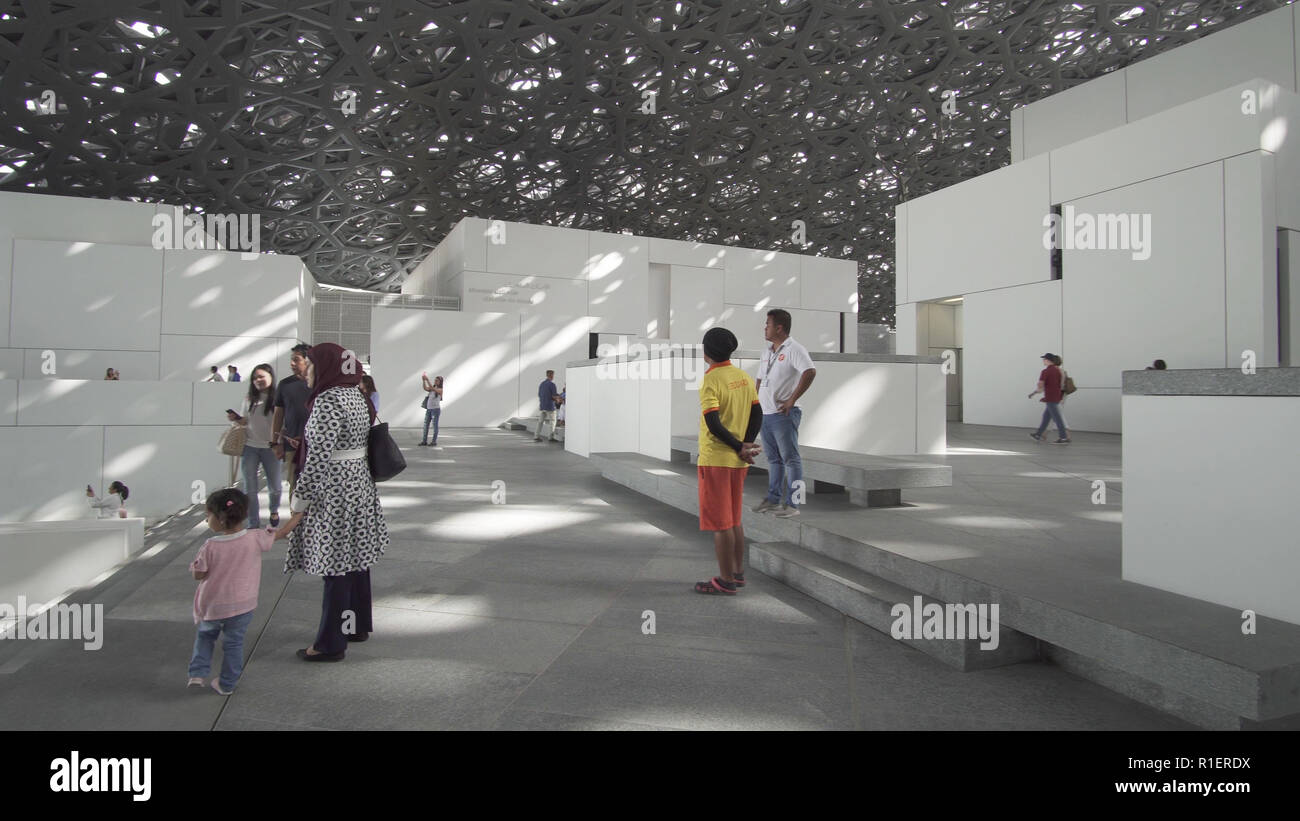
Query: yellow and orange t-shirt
x: 728, y: 390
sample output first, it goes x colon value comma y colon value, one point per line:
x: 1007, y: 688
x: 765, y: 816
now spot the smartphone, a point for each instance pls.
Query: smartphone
x: 237, y: 416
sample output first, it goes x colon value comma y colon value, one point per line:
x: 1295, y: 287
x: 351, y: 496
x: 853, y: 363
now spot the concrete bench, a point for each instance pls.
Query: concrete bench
x: 530, y: 424
x: 871, y: 481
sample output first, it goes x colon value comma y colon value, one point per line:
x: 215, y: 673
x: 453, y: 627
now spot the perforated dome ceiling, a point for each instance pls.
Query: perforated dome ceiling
x: 764, y: 113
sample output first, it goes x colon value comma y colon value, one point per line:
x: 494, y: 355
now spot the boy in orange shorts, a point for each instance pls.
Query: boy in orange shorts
x: 730, y: 422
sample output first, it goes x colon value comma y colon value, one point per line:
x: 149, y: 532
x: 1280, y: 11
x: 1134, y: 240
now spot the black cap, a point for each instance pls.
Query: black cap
x: 1048, y: 356
x: 719, y: 343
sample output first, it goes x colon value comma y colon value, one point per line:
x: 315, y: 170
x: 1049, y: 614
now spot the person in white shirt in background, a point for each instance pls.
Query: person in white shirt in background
x: 784, y: 374
x: 111, y: 505
x: 257, y: 408
x: 215, y: 376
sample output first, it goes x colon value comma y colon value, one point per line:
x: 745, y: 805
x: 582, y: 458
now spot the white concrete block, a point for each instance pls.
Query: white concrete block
x: 8, y: 401
x: 1006, y: 333
x: 1250, y: 252
x: 83, y: 364
x: 505, y: 293
x: 107, y: 296
x: 828, y: 284
x: 905, y: 324
x: 11, y: 363
x: 861, y: 408
x: 222, y: 293
x: 42, y: 561
x: 764, y: 278
x: 470, y: 252
x: 818, y: 331
x: 697, y: 301
x: 1088, y: 409
x: 209, y: 401
x: 693, y: 254
x: 657, y: 324
x: 75, y: 402
x: 654, y: 425
x: 618, y: 282
x: 1145, y: 306
x: 187, y: 358
x: 931, y: 410
x: 58, y: 463
x: 1263, y: 46
x: 958, y: 243
x: 1074, y: 114
x: 746, y: 322
x: 168, y: 468
x: 900, y: 254
x: 1221, y: 532
x: 579, y: 416
x: 537, y: 250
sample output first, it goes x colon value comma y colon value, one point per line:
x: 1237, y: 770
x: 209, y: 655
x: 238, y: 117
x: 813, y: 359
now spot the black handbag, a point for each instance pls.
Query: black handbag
x: 383, y: 455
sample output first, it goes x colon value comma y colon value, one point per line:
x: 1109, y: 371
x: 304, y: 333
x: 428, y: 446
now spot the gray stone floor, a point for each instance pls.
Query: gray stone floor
x: 529, y: 615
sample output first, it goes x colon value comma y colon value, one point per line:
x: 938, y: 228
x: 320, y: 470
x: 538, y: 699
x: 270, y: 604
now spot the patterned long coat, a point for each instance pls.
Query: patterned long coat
x: 343, y: 529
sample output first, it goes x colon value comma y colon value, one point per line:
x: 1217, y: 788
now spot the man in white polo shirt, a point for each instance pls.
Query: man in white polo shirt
x: 784, y: 373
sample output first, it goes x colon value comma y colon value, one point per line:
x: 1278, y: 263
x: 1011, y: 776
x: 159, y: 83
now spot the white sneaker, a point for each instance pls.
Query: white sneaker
x: 764, y: 505
x: 786, y: 512
x: 216, y: 685
x: 195, y: 681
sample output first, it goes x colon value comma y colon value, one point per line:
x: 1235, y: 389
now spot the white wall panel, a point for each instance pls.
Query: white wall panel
x: 161, y: 464
x: 696, y: 301
x: 1260, y: 47
x: 1184, y: 529
x: 900, y: 254
x: 58, y: 463
x: 11, y: 363
x: 828, y: 284
x: 45, y: 560
x: 1006, y: 331
x: 538, y: 250
x: 478, y: 354
x: 693, y: 254
x: 618, y: 282
x: 579, y: 416
x: 8, y: 402
x: 132, y: 365
x: 1250, y: 252
x: 746, y: 322
x: 210, y: 400
x: 657, y: 324
x: 765, y: 278
x: 1120, y: 312
x: 491, y: 293
x: 818, y: 331
x: 74, y: 402
x: 861, y: 408
x: 905, y: 321
x: 616, y: 415
x: 1071, y: 115
x: 470, y: 252
x: 190, y: 358
x: 849, y: 332
x: 655, y: 425
x: 942, y: 325
x: 106, y: 296
x: 49, y: 217
x: 1282, y: 139
x: 931, y: 410
x: 546, y: 343
x: 221, y: 293
x: 982, y: 234
x: 1188, y: 135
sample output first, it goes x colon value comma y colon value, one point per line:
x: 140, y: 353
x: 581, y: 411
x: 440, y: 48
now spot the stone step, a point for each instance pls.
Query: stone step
x: 893, y: 609
x: 1206, y: 680
x: 530, y: 424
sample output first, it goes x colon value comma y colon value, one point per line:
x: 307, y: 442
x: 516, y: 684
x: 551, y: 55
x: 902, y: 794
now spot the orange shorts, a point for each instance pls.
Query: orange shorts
x: 721, y: 496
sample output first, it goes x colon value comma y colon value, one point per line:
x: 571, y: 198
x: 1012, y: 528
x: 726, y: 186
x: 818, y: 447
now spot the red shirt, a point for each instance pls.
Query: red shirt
x: 1051, y: 379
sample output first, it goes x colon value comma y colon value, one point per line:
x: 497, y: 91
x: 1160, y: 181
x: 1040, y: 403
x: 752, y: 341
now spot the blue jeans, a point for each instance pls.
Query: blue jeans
x: 781, y: 443
x: 250, y: 460
x: 431, y: 415
x: 1052, y: 413
x: 232, y: 648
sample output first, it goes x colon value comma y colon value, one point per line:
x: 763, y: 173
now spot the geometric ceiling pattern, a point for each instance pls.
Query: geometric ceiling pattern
x: 360, y: 132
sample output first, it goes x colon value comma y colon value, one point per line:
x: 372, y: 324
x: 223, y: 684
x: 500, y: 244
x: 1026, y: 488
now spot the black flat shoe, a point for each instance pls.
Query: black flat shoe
x: 359, y: 637
x: 303, y: 654
x: 275, y: 520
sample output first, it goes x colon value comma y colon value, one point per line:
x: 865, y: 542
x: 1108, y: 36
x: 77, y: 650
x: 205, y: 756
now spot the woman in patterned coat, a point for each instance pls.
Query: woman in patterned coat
x: 337, y: 530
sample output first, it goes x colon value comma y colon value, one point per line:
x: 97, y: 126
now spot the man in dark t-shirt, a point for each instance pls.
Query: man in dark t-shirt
x: 1050, y: 383
x: 291, y: 413
x: 546, y: 396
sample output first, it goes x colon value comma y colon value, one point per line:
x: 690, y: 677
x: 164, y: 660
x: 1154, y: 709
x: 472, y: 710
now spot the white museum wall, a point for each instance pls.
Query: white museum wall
x: 768, y: 277
x: 112, y: 294
x: 615, y: 425
x: 1121, y: 313
x: 188, y: 358
x: 12, y: 364
x: 698, y: 300
x: 827, y: 285
x: 42, y: 562
x: 85, y: 364
x: 507, y: 293
x: 1289, y: 295
x: 537, y: 250
x: 1265, y: 46
x: 96, y: 402
x: 547, y: 343
x: 1194, y: 133
x: 654, y: 400
x: 618, y: 282
x: 8, y: 401
x: 691, y: 254
x: 1091, y: 409
x: 1181, y: 531
x: 58, y: 463
x: 658, y: 284
x: 1006, y: 331
x: 907, y: 328
x: 578, y: 416
x: 958, y: 244
x: 477, y: 354
x: 901, y: 241
x: 1250, y: 258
